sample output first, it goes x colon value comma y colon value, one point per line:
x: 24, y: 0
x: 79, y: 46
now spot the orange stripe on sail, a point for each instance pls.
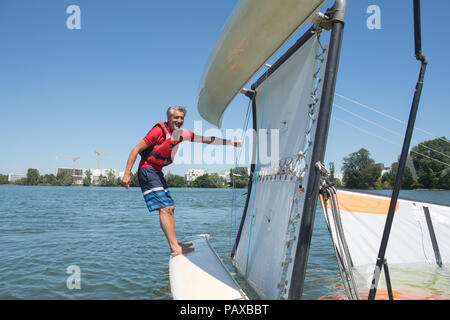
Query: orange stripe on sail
x: 356, y: 203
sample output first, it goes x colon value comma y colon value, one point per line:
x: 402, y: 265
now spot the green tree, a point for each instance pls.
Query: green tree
x: 428, y: 178
x: 388, y: 179
x: 3, y: 179
x: 87, y: 181
x: 22, y: 182
x: 208, y: 181
x: 175, y: 181
x: 333, y: 179
x: 134, y: 180
x: 102, y: 181
x: 64, y: 179
x: 110, y: 178
x: 217, y: 180
x: 431, y: 160
x: 49, y: 179
x: 241, y: 177
x: 360, y: 171
x: 444, y: 179
x: 32, y: 177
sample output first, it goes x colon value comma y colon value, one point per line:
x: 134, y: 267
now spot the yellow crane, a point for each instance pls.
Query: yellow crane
x: 98, y: 153
x: 74, y: 162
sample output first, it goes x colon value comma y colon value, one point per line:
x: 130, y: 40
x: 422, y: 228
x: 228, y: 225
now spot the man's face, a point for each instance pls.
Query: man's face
x: 176, y: 120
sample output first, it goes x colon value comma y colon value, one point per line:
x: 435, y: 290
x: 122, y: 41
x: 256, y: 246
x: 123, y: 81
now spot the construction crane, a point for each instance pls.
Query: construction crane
x: 98, y: 153
x: 74, y: 162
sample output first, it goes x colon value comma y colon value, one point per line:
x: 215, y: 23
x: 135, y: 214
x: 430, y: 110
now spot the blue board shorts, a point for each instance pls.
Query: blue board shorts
x: 154, y: 189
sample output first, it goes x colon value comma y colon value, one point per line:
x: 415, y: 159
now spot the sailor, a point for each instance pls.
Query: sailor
x: 157, y: 150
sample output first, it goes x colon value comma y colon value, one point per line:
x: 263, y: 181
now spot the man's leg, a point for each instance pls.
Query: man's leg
x: 167, y: 221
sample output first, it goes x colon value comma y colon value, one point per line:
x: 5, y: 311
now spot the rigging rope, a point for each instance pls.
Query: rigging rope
x: 389, y: 130
x: 256, y: 172
x: 387, y: 140
x: 329, y: 193
x: 389, y: 116
x: 236, y: 160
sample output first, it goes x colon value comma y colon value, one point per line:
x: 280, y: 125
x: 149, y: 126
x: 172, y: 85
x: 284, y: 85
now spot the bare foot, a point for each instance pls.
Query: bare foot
x: 184, y: 250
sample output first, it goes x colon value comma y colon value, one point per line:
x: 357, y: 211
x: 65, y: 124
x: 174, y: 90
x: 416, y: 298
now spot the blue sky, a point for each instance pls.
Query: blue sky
x: 67, y: 93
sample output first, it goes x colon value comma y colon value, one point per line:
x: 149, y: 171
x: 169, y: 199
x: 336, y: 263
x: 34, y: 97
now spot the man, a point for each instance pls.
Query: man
x: 157, y: 149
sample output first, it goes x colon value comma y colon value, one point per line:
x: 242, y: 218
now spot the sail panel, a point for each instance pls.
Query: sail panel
x: 262, y: 247
x: 286, y: 107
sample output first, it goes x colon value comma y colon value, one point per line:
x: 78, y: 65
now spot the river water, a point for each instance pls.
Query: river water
x: 102, y: 243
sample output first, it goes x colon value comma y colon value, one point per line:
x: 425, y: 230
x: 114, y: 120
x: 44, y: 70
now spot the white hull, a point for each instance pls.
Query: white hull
x: 201, y: 275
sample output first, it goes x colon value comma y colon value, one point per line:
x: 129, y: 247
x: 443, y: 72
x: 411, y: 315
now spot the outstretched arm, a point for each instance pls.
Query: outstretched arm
x: 217, y: 141
x: 130, y: 162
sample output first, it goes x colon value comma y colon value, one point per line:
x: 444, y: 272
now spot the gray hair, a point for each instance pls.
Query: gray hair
x: 175, y: 108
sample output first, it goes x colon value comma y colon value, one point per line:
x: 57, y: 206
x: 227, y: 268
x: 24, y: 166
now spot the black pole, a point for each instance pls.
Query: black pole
x: 434, y: 243
x: 318, y: 152
x: 417, y: 30
x: 404, y: 154
x: 388, y: 280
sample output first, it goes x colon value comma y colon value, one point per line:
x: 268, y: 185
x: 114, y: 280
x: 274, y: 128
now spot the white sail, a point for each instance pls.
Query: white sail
x: 285, y: 107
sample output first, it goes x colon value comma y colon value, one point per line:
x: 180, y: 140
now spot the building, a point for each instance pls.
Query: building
x: 96, y: 173
x: 225, y: 175
x: 106, y: 172
x: 13, y: 177
x: 193, y: 174
x: 339, y: 176
x: 77, y: 177
x: 410, y: 165
x: 383, y: 168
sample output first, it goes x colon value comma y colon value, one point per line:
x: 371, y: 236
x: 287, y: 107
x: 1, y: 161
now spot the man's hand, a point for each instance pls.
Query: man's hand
x: 126, y: 181
x: 131, y: 159
x: 236, y: 143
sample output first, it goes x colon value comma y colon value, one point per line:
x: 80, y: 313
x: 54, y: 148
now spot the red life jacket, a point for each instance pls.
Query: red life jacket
x: 161, y: 154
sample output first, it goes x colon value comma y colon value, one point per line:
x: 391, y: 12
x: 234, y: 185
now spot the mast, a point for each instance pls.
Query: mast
x: 406, y: 143
x: 312, y: 190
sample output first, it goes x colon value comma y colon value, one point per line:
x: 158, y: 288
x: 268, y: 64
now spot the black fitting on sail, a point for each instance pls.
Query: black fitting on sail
x: 248, y: 93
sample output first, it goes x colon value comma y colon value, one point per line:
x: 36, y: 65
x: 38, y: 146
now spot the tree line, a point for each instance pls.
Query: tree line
x: 430, y: 160
x: 213, y: 180
x: 34, y: 178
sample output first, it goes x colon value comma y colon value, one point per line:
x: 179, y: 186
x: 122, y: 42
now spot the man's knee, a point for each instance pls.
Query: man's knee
x: 167, y: 210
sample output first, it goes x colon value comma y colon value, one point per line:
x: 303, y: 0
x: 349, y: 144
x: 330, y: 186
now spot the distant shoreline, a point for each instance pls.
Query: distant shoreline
x: 96, y: 186
x: 172, y: 187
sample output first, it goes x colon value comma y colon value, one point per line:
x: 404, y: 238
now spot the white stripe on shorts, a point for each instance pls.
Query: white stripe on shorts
x: 154, y: 189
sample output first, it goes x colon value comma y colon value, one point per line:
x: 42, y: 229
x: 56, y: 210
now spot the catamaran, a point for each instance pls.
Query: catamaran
x: 294, y: 96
